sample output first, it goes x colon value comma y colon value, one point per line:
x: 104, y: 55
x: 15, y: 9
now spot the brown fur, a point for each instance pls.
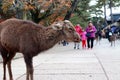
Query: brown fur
x: 112, y: 39
x: 1, y: 20
x: 30, y: 39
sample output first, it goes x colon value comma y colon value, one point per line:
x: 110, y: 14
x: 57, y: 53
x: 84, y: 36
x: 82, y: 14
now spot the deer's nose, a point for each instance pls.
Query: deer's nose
x: 77, y: 38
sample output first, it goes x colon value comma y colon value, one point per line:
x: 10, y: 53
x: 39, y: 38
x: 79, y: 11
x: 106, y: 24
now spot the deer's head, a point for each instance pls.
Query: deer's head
x: 68, y: 30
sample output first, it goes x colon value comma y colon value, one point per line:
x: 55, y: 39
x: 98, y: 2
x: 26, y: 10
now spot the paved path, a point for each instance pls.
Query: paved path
x: 65, y: 63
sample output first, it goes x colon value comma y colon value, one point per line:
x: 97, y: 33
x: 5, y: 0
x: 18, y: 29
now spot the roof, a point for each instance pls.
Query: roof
x: 116, y: 16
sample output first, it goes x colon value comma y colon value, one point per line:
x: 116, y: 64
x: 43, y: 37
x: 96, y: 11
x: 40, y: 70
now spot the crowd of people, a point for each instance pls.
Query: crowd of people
x: 90, y: 33
x: 87, y: 36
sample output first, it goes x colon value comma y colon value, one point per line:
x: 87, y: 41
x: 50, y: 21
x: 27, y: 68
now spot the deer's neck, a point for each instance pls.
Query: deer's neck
x: 51, y: 38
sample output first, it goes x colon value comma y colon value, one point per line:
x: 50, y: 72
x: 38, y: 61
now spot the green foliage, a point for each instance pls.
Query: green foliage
x: 77, y: 20
x: 95, y: 10
x: 81, y: 14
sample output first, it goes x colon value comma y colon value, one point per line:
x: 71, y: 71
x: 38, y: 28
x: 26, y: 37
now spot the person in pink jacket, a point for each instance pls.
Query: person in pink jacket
x: 84, y: 39
x: 91, y: 30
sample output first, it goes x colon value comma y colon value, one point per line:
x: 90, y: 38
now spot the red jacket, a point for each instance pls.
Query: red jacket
x: 78, y: 29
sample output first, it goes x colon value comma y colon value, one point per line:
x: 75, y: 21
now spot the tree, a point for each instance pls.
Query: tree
x: 110, y: 3
x: 96, y: 14
x: 40, y: 11
x: 73, y: 6
x: 81, y: 13
x: 95, y: 11
x: 49, y: 11
x: 110, y: 6
x: 7, y: 9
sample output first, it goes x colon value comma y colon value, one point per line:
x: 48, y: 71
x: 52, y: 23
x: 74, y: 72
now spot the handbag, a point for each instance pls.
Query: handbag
x: 88, y: 34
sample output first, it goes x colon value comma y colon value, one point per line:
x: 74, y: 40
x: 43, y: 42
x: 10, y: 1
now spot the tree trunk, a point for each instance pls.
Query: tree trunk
x: 105, y: 21
x: 24, y: 15
x: 35, y: 15
x: 111, y: 11
x: 73, y: 6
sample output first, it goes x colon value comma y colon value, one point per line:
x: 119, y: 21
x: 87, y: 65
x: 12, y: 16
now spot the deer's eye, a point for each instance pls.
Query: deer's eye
x: 70, y: 30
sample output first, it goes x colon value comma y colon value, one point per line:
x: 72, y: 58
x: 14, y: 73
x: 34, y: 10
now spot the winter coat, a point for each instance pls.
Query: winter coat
x: 83, y: 35
x: 78, y: 29
x: 91, y: 30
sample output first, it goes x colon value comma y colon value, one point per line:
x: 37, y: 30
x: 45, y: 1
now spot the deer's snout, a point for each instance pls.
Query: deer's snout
x: 77, y: 37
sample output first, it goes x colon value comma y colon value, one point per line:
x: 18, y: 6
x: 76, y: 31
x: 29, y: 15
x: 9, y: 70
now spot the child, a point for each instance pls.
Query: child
x: 78, y: 29
x: 83, y: 38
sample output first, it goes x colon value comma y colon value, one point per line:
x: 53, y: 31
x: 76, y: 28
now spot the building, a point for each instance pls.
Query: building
x: 116, y: 17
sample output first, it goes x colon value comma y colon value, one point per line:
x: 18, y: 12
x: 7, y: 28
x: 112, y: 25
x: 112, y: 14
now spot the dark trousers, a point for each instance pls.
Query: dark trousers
x: 90, y: 42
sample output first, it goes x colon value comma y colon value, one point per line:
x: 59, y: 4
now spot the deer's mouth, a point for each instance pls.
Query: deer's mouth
x: 77, y: 40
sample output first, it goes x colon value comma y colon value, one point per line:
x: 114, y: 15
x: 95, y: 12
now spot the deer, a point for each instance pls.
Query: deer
x: 30, y: 39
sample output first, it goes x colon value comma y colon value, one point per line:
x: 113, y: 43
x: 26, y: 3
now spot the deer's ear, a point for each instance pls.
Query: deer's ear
x: 66, y: 21
x: 69, y: 24
x: 57, y: 26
